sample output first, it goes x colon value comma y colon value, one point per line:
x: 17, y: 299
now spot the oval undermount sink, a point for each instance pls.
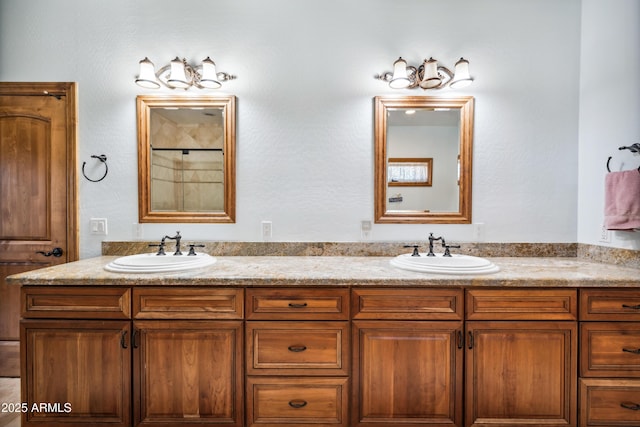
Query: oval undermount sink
x: 455, y: 264
x: 152, y: 263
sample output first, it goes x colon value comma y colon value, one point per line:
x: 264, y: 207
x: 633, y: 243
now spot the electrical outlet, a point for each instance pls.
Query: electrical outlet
x: 365, y: 229
x: 266, y: 230
x: 605, y: 235
x: 478, y: 231
x: 98, y: 226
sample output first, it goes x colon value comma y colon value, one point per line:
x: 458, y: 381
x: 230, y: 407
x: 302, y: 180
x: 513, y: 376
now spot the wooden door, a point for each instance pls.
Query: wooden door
x: 37, y: 193
x: 407, y: 373
x: 79, y: 370
x: 521, y: 373
x: 188, y: 372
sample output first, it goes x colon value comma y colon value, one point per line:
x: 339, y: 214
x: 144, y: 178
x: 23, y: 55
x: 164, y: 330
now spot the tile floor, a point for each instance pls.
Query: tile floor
x: 9, y: 393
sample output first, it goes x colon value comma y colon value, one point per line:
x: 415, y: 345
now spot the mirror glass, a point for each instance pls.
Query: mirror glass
x: 423, y: 149
x: 186, y: 155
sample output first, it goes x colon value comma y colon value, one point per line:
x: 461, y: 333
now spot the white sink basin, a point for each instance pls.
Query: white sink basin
x: 152, y: 263
x: 455, y: 264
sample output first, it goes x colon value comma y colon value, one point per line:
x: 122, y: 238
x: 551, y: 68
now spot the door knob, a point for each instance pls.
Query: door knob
x: 56, y: 252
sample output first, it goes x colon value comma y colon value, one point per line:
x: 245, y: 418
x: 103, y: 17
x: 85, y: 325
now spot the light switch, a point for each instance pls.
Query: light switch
x: 98, y: 226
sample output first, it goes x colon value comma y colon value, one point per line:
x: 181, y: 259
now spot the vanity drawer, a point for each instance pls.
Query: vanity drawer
x: 188, y: 303
x: 302, y: 304
x: 610, y: 349
x: 277, y: 402
x: 57, y: 302
x: 522, y: 304
x: 409, y: 304
x: 609, y: 403
x: 297, y: 348
x: 610, y: 304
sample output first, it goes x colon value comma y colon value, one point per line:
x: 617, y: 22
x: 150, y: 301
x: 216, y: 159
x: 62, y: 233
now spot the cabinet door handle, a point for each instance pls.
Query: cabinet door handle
x: 633, y: 307
x: 297, y: 304
x: 631, y: 405
x: 470, y: 341
x: 123, y: 339
x: 297, y: 348
x: 460, y: 340
x: 298, y: 403
x: 134, y: 339
x: 632, y: 350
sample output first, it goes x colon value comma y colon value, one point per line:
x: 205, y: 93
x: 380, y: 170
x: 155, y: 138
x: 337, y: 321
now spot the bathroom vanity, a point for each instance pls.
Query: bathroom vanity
x: 332, y: 341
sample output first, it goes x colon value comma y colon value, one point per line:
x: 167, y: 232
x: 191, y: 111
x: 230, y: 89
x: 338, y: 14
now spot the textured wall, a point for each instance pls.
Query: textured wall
x: 305, y: 114
x: 609, y: 108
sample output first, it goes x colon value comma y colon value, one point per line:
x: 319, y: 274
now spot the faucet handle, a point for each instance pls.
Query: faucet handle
x: 415, y: 249
x: 160, y: 247
x: 446, y: 249
x: 192, y: 251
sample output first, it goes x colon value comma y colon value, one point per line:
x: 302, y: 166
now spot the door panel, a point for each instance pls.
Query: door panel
x: 37, y: 192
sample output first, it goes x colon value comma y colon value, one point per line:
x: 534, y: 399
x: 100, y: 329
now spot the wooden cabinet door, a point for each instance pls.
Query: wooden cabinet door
x: 521, y: 373
x: 188, y: 372
x: 76, y: 372
x: 407, y: 372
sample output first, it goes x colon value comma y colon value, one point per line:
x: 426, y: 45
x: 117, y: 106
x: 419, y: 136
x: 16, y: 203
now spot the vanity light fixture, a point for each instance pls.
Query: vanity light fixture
x: 429, y: 75
x: 179, y: 74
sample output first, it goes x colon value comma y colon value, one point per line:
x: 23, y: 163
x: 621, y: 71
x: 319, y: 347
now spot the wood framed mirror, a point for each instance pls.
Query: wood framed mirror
x: 186, y: 158
x: 422, y: 127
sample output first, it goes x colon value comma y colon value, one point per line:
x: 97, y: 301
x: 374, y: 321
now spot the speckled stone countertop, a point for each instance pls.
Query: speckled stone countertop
x: 339, y: 271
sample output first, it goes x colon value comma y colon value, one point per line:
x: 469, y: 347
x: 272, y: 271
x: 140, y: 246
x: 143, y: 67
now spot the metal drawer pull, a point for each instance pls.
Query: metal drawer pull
x: 297, y: 305
x: 632, y: 350
x: 633, y: 307
x: 297, y: 348
x: 297, y: 403
x: 631, y: 405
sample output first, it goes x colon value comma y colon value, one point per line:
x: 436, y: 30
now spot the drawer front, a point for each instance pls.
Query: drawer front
x: 188, y: 303
x: 609, y: 403
x: 297, y: 348
x: 56, y: 302
x: 610, y: 349
x: 610, y: 304
x: 522, y: 304
x: 408, y: 304
x: 303, y: 304
x: 275, y: 402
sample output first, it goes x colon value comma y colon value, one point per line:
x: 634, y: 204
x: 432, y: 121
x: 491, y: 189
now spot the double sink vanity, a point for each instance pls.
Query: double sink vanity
x: 332, y: 341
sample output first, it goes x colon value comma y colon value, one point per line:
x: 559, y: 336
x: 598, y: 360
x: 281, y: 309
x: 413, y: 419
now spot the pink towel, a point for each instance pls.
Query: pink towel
x: 622, y: 200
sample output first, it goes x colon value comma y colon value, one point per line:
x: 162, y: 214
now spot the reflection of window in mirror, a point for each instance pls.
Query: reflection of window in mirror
x: 410, y: 172
x: 432, y: 130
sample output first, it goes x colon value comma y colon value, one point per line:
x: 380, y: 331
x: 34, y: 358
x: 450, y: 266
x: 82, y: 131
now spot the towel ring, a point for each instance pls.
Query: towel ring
x: 634, y: 148
x: 103, y: 159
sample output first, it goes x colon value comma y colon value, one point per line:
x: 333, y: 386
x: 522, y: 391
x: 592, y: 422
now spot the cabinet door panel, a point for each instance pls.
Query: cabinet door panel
x: 407, y: 372
x: 521, y: 373
x: 188, y: 372
x: 83, y: 371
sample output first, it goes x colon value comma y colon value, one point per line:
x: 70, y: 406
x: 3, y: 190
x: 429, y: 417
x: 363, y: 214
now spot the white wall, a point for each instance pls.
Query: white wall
x: 305, y: 113
x: 609, y: 108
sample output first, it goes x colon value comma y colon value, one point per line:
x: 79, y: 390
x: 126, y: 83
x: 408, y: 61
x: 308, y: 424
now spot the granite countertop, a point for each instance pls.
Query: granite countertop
x: 339, y: 271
